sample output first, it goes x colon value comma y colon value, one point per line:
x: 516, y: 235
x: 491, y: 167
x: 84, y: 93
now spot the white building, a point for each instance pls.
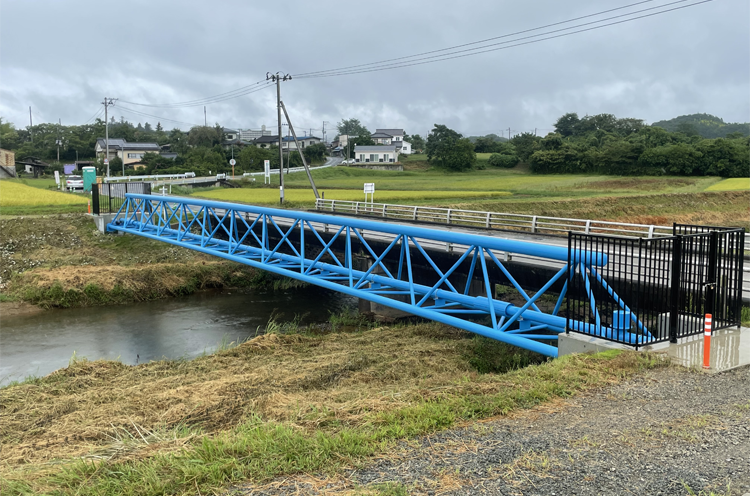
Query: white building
x: 375, y: 154
x: 392, y: 137
x: 253, y: 134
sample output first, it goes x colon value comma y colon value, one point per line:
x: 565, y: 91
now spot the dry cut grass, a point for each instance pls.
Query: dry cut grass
x: 278, y: 404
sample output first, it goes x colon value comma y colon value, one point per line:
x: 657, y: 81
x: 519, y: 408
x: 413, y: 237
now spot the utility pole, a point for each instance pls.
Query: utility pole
x: 508, y: 134
x: 58, y: 141
x: 31, y: 125
x: 278, y: 78
x: 325, y: 141
x: 107, y: 102
x: 205, y: 119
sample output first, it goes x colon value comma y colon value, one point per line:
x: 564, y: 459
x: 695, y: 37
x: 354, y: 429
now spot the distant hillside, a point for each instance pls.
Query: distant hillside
x: 706, y: 125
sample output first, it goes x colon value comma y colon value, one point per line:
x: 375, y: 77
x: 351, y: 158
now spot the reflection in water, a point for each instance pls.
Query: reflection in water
x: 178, y: 328
x: 729, y: 349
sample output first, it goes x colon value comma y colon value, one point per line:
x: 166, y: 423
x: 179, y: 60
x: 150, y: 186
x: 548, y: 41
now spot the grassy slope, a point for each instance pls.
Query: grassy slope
x: 65, y: 261
x: 279, y: 404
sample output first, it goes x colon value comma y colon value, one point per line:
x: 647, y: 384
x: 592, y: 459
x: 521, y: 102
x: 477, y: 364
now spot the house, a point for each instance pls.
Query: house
x: 377, y: 153
x: 7, y: 163
x: 392, y: 137
x: 287, y: 142
x: 230, y: 134
x: 128, y: 152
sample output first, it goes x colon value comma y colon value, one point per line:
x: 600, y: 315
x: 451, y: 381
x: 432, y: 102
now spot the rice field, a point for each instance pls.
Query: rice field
x: 734, y: 184
x: 271, y: 195
x: 14, y: 194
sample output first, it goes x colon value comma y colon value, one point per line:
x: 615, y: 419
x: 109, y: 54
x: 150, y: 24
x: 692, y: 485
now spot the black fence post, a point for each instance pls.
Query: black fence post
x: 109, y: 190
x: 710, y: 284
x: 95, y: 199
x: 740, y: 270
x: 674, y: 295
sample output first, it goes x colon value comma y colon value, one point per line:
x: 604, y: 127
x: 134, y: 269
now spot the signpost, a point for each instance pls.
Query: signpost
x: 57, y: 179
x: 232, y: 163
x: 370, y: 189
x: 267, y: 172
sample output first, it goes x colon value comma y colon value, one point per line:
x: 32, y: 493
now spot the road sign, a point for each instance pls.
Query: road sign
x: 232, y: 162
x: 106, y: 161
x: 57, y: 178
x: 370, y: 190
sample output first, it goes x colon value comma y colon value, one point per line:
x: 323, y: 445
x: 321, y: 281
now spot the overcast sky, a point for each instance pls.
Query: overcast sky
x: 62, y: 57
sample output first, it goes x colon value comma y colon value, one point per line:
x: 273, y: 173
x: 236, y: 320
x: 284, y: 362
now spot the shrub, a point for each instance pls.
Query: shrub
x: 505, y: 161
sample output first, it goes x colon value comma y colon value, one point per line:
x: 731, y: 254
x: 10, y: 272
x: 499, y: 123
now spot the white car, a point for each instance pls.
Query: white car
x: 190, y: 174
x: 74, y: 182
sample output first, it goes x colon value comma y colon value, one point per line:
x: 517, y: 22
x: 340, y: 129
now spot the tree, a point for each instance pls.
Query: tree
x: 687, y: 129
x: 352, y: 127
x: 447, y: 149
x: 315, y: 152
x: 417, y: 142
x: 205, y: 136
x: 567, y: 124
x: 526, y: 144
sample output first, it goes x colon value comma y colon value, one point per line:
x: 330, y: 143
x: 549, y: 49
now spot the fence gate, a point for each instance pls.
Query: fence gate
x: 654, y: 290
x: 107, y: 198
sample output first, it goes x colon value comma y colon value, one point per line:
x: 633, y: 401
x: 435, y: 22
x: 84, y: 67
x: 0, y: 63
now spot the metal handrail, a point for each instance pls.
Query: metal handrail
x: 115, y: 179
x: 495, y: 220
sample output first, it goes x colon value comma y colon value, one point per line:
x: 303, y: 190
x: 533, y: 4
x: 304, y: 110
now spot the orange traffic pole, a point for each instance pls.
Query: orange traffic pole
x: 89, y: 206
x: 707, y: 342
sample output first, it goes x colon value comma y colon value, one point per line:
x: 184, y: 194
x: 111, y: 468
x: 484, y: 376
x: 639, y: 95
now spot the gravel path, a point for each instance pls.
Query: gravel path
x: 667, y: 432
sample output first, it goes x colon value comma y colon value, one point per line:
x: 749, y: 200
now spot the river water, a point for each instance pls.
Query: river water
x: 35, y: 345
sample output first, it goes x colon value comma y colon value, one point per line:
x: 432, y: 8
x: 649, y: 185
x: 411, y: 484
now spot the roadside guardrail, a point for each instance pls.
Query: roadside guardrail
x: 493, y: 220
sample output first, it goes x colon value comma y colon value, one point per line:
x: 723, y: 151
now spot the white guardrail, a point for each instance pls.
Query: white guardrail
x: 117, y: 179
x: 493, y: 220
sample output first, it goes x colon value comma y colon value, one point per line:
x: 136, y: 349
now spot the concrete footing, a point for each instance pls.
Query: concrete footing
x: 730, y: 348
x: 102, y: 220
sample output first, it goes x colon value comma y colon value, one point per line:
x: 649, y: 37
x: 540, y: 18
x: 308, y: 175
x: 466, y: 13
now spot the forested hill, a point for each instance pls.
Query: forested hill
x: 704, y: 125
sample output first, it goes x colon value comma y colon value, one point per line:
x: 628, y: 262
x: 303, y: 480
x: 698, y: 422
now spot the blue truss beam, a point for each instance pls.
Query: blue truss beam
x: 195, y: 223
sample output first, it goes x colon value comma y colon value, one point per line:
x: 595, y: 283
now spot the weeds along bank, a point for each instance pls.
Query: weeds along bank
x: 291, y: 401
x: 64, y: 261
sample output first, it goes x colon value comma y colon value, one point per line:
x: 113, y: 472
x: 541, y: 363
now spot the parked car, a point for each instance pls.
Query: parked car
x: 190, y: 174
x: 74, y: 182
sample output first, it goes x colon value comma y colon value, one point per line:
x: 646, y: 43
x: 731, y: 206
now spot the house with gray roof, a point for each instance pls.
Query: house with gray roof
x: 128, y: 152
x: 392, y: 137
x: 376, y: 153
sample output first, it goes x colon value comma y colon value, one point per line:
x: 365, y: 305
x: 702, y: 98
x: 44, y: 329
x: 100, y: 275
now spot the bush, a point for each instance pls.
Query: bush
x: 505, y: 161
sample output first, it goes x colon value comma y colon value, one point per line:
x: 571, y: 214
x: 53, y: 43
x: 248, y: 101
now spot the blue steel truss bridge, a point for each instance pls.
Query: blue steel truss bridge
x: 635, y: 292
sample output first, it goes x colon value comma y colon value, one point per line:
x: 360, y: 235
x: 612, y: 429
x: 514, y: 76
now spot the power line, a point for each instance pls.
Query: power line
x: 475, y: 42
x: 143, y: 114
x: 486, y: 49
x: 246, y: 90
x: 95, y: 116
x: 453, y: 52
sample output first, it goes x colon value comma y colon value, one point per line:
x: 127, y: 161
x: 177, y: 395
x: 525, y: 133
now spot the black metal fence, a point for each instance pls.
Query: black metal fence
x: 654, y: 290
x: 107, y: 198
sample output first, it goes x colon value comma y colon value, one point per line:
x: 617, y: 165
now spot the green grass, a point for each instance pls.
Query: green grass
x: 517, y: 182
x: 734, y: 184
x: 42, y: 182
x: 271, y: 195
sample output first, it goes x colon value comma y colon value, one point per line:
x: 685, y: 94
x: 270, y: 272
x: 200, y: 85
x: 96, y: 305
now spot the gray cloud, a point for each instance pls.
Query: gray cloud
x: 62, y: 58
